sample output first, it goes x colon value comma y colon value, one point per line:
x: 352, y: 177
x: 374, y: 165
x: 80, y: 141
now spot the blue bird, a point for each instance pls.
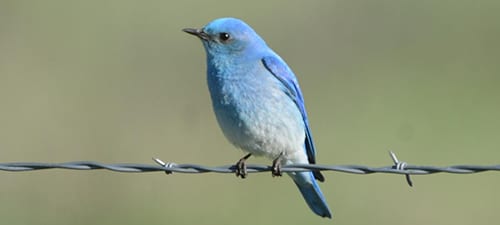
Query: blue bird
x: 258, y: 103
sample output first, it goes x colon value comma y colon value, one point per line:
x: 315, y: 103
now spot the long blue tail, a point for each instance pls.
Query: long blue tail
x: 312, y: 194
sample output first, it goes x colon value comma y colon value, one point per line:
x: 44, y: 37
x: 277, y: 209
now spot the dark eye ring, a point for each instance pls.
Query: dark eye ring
x: 224, y: 36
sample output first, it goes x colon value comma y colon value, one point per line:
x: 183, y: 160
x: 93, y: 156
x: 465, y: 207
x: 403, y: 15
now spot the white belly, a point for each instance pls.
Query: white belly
x: 260, y: 119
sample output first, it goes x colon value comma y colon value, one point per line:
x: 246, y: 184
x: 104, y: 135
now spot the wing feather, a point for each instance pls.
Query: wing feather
x: 284, y: 74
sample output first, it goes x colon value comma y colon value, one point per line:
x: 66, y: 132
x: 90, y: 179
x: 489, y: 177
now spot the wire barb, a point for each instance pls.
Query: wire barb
x: 166, y: 165
x: 400, y: 166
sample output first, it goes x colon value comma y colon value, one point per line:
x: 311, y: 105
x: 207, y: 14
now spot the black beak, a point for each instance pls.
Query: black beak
x: 197, y: 32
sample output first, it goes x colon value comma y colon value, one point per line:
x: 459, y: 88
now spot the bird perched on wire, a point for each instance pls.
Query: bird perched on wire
x: 258, y: 103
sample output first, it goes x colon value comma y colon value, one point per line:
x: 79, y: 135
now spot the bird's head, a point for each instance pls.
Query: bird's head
x: 227, y: 36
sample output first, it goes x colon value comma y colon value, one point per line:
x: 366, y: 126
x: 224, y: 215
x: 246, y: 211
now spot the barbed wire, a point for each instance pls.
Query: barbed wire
x: 401, y: 168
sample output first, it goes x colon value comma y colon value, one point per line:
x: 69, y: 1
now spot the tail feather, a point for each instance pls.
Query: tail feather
x: 313, y: 196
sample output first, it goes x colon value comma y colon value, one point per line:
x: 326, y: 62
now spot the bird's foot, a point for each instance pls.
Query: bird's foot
x: 276, y: 167
x: 241, y: 166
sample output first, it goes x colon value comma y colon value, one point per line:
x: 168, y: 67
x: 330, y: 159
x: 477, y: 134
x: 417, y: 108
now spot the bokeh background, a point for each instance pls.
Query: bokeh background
x: 117, y: 81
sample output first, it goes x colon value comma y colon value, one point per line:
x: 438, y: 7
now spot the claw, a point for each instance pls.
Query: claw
x: 276, y: 168
x: 241, y: 167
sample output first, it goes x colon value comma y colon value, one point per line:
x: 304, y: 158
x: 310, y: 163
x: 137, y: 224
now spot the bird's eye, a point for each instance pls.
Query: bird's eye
x: 224, y: 36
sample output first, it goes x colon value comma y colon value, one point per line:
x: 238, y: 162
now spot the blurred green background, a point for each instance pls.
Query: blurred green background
x: 117, y: 81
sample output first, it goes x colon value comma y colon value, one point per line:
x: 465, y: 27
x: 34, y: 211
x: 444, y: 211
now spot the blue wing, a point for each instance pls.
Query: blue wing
x: 284, y: 74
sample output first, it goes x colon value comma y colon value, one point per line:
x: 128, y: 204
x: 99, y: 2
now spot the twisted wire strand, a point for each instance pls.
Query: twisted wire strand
x: 251, y: 168
x: 399, y: 167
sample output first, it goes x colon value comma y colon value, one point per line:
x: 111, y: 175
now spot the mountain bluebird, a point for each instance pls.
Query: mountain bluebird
x: 258, y: 103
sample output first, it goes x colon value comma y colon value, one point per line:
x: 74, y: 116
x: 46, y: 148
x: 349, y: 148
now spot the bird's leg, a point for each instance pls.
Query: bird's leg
x: 276, y: 168
x: 241, y: 166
